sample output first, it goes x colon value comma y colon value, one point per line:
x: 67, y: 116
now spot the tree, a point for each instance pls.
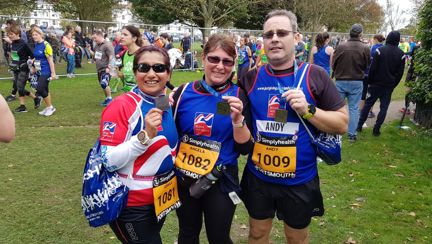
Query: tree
x: 204, y: 14
x: 394, y: 16
x: 17, y: 8
x: 422, y: 86
x: 254, y: 19
x: 100, y: 10
x: 341, y: 15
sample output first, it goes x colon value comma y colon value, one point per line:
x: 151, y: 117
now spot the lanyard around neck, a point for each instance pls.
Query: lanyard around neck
x: 210, y: 89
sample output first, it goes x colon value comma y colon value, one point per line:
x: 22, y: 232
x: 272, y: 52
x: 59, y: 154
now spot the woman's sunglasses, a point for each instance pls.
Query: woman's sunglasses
x: 157, y: 68
x: 215, y: 60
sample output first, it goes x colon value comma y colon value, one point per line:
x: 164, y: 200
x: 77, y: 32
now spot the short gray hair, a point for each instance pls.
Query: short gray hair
x: 282, y: 12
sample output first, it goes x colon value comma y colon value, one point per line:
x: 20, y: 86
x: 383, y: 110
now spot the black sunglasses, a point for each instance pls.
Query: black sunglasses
x: 279, y: 33
x: 216, y: 60
x: 157, y: 68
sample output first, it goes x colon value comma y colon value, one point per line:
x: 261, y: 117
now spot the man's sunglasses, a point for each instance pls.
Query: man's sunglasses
x: 215, y: 60
x: 279, y: 33
x: 157, y: 68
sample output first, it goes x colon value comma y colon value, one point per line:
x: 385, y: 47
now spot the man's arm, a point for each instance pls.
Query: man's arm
x: 400, y: 71
x: 334, y: 59
x: 331, y: 114
x: 7, y: 122
x: 335, y: 122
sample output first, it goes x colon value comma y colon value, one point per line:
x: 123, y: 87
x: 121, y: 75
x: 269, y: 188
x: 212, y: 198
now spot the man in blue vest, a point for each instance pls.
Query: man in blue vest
x: 281, y: 175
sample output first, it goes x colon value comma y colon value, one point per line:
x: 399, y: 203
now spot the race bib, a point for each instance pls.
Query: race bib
x: 166, y: 198
x: 37, y: 65
x: 197, y: 157
x: 98, y: 55
x: 275, y: 156
x: 14, y: 56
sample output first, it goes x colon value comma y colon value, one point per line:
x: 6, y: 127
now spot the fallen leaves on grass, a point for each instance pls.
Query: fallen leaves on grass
x: 413, y: 214
x: 321, y: 223
x: 392, y: 166
x: 355, y: 205
x: 350, y: 241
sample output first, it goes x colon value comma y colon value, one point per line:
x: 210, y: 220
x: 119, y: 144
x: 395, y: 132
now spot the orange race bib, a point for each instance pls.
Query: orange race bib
x: 275, y: 156
x: 197, y: 157
x: 165, y: 194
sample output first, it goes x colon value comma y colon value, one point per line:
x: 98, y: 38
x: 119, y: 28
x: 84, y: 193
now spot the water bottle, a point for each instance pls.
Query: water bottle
x: 204, y: 183
x: 113, y: 68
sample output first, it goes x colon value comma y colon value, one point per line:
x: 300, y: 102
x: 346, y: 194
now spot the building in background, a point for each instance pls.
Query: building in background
x: 44, y: 16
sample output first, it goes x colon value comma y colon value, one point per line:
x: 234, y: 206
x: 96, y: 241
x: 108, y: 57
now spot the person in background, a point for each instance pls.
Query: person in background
x: 69, y: 50
x: 198, y: 117
x: 244, y: 58
x: 30, y: 41
x: 412, y: 45
x: 185, y: 43
x: 349, y: 63
x: 404, y: 46
x: 55, y: 44
x: 103, y: 55
x: 260, y: 53
x: 322, y: 53
x: 410, y: 77
x: 119, y: 49
x: 166, y: 40
x: 7, y: 122
x: 7, y: 43
x: 44, y: 66
x: 131, y: 38
x: 79, y: 46
x: 5, y: 46
x: 377, y: 42
x: 300, y: 48
x: 385, y: 73
x: 20, y: 54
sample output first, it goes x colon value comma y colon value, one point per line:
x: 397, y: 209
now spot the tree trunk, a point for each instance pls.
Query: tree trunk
x: 423, y: 114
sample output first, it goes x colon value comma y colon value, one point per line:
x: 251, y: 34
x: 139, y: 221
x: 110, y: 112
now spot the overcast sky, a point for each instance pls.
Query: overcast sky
x: 405, y: 5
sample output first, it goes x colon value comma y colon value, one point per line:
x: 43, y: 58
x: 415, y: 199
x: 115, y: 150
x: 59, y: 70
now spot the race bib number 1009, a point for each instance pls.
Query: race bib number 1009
x: 275, y: 156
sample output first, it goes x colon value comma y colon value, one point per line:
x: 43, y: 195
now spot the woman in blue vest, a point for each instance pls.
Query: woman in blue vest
x: 322, y: 53
x: 44, y: 66
x: 244, y: 58
x: 210, y: 118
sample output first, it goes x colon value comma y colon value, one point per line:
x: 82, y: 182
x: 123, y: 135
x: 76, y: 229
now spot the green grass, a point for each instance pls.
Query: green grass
x: 380, y: 193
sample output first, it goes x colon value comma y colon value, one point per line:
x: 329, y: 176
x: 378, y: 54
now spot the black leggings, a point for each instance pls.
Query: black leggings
x: 42, y: 86
x: 138, y: 225
x: 20, y: 80
x: 218, y: 210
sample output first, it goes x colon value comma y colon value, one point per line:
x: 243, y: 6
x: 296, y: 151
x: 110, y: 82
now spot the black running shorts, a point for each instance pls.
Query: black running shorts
x: 295, y: 205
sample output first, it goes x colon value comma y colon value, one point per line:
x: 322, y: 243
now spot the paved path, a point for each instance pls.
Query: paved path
x: 392, y: 113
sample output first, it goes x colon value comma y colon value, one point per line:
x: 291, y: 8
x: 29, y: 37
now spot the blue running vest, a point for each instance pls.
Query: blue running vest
x: 265, y: 98
x: 196, y: 116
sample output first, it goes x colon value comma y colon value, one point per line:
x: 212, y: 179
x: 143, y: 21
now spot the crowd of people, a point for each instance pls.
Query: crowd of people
x: 191, y: 139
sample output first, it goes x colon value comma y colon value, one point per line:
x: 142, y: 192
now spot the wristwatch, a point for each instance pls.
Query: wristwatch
x: 310, y: 113
x: 143, y: 138
x: 241, y: 124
